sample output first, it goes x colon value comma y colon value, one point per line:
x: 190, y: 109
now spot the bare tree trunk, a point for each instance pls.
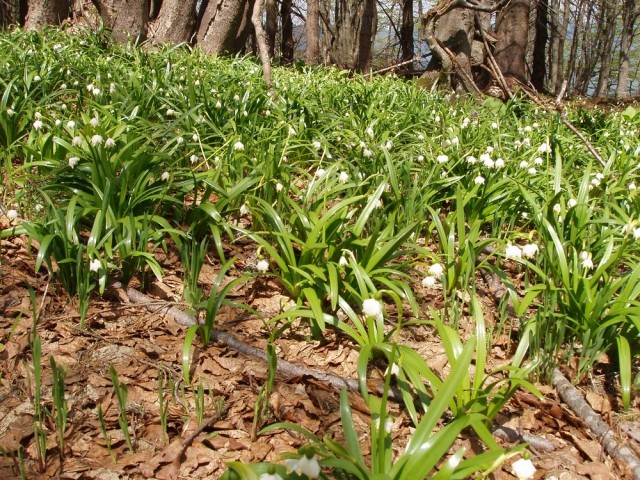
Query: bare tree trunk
x: 176, y: 21
x: 608, y: 31
x: 630, y: 14
x: 573, y: 54
x: 287, y: 49
x: 128, y: 19
x: 513, y: 34
x: 406, y: 33
x: 225, y: 26
x: 351, y: 43
x: 10, y: 13
x: 271, y: 27
x: 539, y: 70
x: 261, y: 40
x: 46, y: 12
x: 312, y: 25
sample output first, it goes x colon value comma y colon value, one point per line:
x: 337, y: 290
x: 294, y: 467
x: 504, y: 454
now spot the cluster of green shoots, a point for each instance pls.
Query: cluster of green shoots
x: 352, y: 191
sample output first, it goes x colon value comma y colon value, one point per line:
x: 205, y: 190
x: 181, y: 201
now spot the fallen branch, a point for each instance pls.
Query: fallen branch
x: 573, y: 398
x: 283, y: 367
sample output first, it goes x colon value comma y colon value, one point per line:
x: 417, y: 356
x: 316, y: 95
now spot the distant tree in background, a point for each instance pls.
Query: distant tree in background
x: 474, y: 45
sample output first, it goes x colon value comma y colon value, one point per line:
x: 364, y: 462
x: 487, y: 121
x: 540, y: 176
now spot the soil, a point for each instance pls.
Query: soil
x: 146, y: 348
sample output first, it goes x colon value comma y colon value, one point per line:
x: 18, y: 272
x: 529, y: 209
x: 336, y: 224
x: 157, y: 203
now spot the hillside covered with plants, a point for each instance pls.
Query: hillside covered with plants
x: 199, y: 274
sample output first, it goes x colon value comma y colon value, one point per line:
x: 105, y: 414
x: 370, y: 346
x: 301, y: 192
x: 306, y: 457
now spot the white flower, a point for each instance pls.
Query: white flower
x: 372, y: 308
x: 532, y: 171
x: 77, y: 141
x: 57, y: 122
x: 369, y: 132
x: 436, y: 270
x: 388, y: 145
x: 513, y: 251
x: 485, y: 158
x: 587, y: 262
x: 527, y: 129
x: 636, y: 233
x: 343, y: 262
x: 471, y: 159
x: 600, y: 176
x: 557, y: 208
x: 367, y: 153
x: 109, y: 143
x: 96, y: 140
x: 320, y: 172
x: 524, y: 164
x: 94, y: 265
x: 279, y: 187
x: 343, y: 177
x: 442, y: 158
x: 71, y: 124
x: 12, y: 215
x: 37, y: 124
x: 428, y: 281
x: 420, y: 136
x: 37, y: 115
x: 238, y: 146
x: 89, y: 87
x: 262, y: 266
x: 421, y: 158
x: 165, y: 176
x: 73, y: 161
x: 632, y: 187
x: 36, y: 78
x: 10, y: 111
x: 195, y: 137
x: 499, y: 163
x: 292, y: 131
x: 572, y: 203
x: 244, y: 210
x: 523, y: 469
x: 94, y: 122
x: 494, y: 125
x: 193, y: 158
x: 317, y: 145
x: 544, y: 148
x: 530, y: 250
x: 96, y: 92
x: 304, y: 466
x: 269, y: 476
x: 218, y: 104
x: 479, y: 180
x: 236, y: 97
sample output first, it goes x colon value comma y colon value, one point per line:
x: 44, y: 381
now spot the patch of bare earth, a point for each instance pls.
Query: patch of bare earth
x: 145, y: 347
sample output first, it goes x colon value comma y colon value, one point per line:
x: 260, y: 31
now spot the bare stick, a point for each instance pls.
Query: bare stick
x: 573, y: 398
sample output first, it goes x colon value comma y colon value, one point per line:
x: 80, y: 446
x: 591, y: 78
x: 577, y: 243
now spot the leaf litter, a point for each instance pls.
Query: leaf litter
x: 145, y: 347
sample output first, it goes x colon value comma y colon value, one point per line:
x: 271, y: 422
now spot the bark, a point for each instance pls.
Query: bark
x: 225, y: 26
x: 571, y: 64
x: 608, y: 32
x: 288, y: 46
x: 406, y: 33
x: 513, y: 34
x: 46, y: 12
x: 127, y: 19
x: 271, y: 26
x: 10, y: 13
x: 176, y: 22
x: 261, y: 40
x: 312, y: 25
x: 630, y: 14
x: 352, y: 41
x: 539, y: 67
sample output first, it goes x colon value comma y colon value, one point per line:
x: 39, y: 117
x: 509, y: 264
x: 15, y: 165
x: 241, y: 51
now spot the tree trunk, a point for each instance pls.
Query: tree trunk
x: 312, y: 25
x: 539, y: 68
x: 271, y: 26
x: 606, y: 54
x: 630, y: 14
x: 127, y: 19
x: 351, y: 44
x: 46, y: 12
x: 406, y: 34
x: 225, y: 26
x: 513, y: 34
x: 573, y: 54
x: 288, y: 46
x: 10, y: 13
x: 176, y: 21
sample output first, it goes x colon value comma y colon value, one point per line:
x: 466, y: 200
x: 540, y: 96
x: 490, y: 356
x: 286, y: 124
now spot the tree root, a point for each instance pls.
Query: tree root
x: 573, y: 398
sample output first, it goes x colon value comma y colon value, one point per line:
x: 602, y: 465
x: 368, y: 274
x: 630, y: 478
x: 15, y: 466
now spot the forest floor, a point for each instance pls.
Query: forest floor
x: 142, y: 345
